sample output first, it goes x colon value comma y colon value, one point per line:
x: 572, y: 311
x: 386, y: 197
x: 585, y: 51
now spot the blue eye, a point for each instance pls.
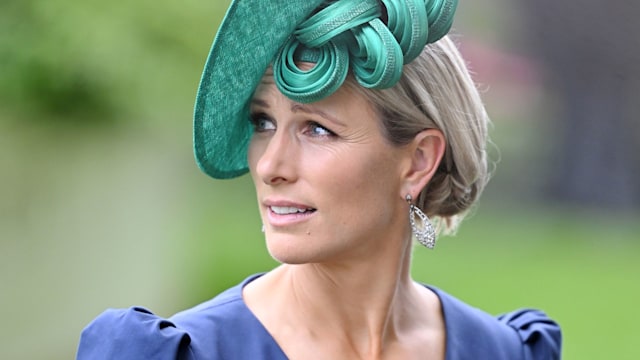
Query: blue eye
x: 316, y: 129
x: 262, y: 122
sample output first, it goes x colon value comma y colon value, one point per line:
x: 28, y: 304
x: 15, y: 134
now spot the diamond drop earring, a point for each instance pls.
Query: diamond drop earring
x: 423, y: 229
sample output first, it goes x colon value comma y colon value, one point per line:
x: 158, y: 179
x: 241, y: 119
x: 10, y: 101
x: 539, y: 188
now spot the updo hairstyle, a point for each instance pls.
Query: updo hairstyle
x: 436, y: 91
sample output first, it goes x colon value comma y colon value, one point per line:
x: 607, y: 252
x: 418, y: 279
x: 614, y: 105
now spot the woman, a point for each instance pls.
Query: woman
x: 355, y: 134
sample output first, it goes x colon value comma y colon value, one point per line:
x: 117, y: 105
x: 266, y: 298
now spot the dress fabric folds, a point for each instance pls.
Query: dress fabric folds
x: 225, y: 328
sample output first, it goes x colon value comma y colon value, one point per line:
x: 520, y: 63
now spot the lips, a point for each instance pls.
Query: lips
x: 284, y: 213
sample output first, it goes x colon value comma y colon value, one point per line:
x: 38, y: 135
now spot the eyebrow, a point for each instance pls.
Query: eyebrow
x: 313, y: 110
x: 295, y: 107
x: 259, y: 103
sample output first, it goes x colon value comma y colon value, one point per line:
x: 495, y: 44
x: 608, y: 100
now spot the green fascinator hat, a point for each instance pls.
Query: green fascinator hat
x: 372, y: 39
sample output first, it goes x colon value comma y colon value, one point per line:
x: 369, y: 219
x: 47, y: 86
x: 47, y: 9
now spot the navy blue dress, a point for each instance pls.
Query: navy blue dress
x: 225, y: 328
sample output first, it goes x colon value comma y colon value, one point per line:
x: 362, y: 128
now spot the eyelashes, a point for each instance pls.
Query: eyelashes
x: 316, y: 129
x: 263, y: 123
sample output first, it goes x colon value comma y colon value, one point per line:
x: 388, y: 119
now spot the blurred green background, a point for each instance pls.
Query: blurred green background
x: 102, y: 205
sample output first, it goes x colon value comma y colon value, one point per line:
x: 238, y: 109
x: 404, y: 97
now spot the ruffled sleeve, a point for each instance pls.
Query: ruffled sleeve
x: 131, y: 334
x: 540, y: 336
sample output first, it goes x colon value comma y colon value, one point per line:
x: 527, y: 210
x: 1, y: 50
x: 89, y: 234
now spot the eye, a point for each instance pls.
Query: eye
x: 261, y: 122
x: 315, y: 129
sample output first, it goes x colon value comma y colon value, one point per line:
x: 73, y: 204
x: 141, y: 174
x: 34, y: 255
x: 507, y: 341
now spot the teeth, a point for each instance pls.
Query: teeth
x: 285, y: 210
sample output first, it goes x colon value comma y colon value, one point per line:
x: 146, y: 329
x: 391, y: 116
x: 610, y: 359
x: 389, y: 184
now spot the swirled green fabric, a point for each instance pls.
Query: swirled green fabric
x: 373, y: 38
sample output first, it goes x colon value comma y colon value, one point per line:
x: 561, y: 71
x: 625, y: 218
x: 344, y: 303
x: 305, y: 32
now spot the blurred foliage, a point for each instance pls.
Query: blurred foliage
x: 42, y: 71
x: 92, y: 61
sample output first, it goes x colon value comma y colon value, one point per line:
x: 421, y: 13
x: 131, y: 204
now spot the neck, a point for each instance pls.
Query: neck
x: 356, y: 286
x: 369, y: 302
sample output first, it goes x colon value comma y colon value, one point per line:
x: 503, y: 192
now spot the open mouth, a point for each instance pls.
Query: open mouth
x: 286, y: 210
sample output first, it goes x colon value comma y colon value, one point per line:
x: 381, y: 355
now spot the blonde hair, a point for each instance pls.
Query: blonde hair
x: 436, y: 91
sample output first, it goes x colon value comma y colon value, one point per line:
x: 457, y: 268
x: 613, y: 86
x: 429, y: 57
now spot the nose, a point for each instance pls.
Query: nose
x: 277, y: 164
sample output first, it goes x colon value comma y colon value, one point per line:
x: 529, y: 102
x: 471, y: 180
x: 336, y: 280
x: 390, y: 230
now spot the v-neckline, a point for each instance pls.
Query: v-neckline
x: 449, y: 331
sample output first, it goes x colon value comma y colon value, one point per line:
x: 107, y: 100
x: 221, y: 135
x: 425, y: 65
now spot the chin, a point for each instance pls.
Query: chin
x: 294, y: 249
x: 289, y: 257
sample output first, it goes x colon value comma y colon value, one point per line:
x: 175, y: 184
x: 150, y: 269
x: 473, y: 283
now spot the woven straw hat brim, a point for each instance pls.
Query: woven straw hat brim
x: 247, y: 41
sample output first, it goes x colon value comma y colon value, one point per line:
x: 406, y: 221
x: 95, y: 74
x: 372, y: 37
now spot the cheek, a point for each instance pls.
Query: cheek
x: 254, y: 152
x: 371, y: 179
x: 363, y: 202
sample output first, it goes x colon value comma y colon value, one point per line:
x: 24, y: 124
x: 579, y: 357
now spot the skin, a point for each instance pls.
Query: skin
x: 344, y: 289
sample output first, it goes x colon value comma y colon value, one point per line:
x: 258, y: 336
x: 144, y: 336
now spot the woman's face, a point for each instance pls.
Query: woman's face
x: 329, y: 186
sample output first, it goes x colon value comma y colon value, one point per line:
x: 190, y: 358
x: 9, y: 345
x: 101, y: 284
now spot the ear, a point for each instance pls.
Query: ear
x: 426, y: 152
